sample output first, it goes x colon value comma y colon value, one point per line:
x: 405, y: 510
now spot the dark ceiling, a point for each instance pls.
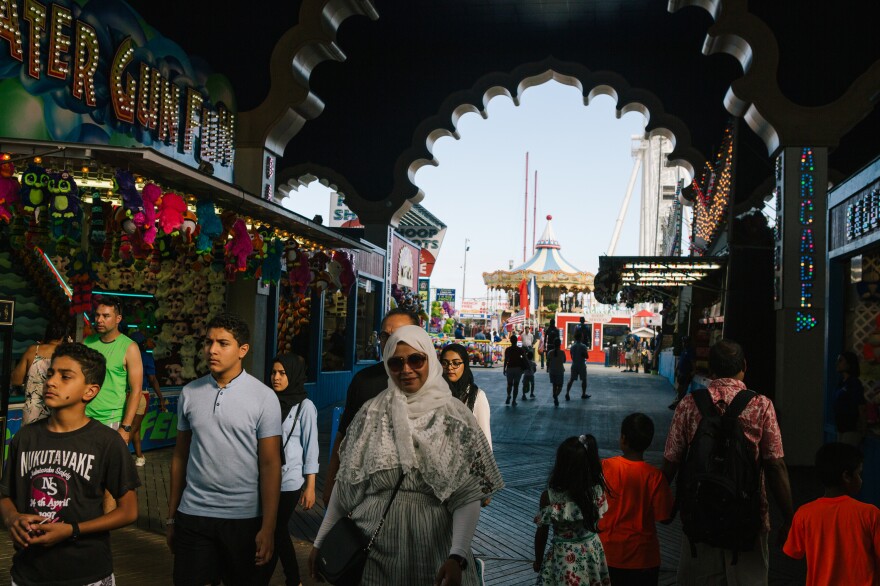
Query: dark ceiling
x: 400, y: 68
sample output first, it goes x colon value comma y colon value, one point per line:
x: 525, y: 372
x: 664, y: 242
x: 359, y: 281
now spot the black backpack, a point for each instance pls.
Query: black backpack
x: 720, y: 488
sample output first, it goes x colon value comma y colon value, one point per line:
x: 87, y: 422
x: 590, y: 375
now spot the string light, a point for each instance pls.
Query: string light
x: 713, y: 202
x: 805, y: 320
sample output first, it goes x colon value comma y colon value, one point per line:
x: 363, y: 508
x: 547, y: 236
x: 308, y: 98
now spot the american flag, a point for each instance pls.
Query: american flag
x: 517, y: 318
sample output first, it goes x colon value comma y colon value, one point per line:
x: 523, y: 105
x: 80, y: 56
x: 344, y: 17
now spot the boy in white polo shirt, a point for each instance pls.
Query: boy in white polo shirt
x: 226, y: 469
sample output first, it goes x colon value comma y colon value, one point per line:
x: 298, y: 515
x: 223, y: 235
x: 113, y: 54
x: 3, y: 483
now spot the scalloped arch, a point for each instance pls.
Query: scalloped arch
x: 757, y: 97
x: 512, y: 84
x: 291, y: 178
x: 290, y: 102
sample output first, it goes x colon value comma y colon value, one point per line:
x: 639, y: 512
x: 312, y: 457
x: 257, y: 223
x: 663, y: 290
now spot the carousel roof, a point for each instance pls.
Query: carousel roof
x: 547, y: 265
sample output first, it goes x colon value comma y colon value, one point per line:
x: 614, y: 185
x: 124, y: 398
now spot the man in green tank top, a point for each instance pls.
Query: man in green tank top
x: 124, y: 369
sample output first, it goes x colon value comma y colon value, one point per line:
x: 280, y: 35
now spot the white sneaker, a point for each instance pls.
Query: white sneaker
x: 140, y: 461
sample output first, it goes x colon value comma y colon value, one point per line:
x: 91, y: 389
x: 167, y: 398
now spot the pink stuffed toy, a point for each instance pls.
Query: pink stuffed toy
x: 171, y: 210
x: 347, y: 276
x: 8, y: 196
x: 298, y: 271
x: 147, y: 219
x: 240, y: 247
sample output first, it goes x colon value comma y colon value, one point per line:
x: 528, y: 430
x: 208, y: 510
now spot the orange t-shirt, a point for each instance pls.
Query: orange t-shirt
x: 638, y: 495
x: 841, y: 538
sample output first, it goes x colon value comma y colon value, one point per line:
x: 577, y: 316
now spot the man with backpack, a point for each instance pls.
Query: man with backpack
x: 725, y: 441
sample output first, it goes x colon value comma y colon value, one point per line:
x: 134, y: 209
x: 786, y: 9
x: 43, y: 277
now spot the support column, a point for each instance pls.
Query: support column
x: 380, y: 235
x: 249, y: 299
x: 799, y: 263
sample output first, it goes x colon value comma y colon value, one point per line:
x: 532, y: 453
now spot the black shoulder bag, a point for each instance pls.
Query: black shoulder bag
x: 295, y: 419
x: 343, y: 554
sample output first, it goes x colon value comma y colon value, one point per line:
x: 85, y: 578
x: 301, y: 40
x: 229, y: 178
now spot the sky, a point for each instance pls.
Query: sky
x: 582, y: 155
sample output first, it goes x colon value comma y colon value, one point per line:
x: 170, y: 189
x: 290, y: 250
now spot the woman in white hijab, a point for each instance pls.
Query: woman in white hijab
x: 417, y: 428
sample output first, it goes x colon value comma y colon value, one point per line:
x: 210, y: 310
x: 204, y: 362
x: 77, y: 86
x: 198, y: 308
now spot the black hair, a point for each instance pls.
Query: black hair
x: 110, y: 301
x: 852, y: 363
x: 833, y: 459
x: 583, y: 319
x: 233, y: 324
x: 56, y: 329
x: 512, y: 338
x: 578, y: 337
x: 638, y: 429
x: 726, y: 359
x: 91, y: 362
x: 578, y: 471
x: 400, y: 311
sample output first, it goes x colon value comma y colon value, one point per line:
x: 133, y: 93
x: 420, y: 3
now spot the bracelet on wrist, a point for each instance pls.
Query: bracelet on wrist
x: 74, y: 526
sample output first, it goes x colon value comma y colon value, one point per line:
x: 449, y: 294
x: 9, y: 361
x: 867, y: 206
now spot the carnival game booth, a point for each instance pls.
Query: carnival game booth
x: 560, y: 286
x: 852, y: 309
x: 116, y: 177
x: 607, y: 329
x: 690, y: 289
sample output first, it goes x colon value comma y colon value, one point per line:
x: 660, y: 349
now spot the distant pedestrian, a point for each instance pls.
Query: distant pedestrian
x: 839, y: 536
x: 529, y: 377
x: 31, y: 371
x: 514, y: 364
x: 584, y: 330
x: 578, y: 353
x: 551, y: 334
x: 684, y: 370
x: 539, y: 348
x: 849, y: 400
x: 573, y: 504
x: 528, y: 340
x: 556, y: 370
x: 638, y: 497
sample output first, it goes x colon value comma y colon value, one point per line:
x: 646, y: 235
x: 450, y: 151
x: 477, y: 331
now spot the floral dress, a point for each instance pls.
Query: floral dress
x: 575, y: 556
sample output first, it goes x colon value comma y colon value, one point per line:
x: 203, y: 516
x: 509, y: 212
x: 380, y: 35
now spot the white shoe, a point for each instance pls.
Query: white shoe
x: 140, y: 461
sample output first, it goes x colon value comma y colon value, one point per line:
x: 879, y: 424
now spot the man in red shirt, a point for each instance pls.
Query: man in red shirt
x: 638, y: 497
x: 839, y: 535
x: 758, y: 421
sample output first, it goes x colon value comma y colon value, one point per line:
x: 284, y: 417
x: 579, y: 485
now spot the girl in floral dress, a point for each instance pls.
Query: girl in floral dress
x: 572, y: 504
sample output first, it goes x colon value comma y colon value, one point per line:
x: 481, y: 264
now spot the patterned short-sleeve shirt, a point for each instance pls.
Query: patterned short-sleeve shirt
x: 758, y: 421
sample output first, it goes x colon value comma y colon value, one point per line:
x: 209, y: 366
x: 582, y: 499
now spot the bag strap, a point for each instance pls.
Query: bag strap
x: 295, y: 419
x: 385, y: 512
x: 739, y: 403
x: 704, y: 403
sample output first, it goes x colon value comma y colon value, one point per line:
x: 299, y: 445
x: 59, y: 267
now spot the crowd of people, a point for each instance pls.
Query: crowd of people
x: 414, y: 455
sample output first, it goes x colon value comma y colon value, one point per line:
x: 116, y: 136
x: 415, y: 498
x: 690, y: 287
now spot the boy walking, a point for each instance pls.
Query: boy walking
x: 226, y: 468
x: 53, y: 485
x: 839, y: 536
x: 638, y: 497
x: 529, y: 376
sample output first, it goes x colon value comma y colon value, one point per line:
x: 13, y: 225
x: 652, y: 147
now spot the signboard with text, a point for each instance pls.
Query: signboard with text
x: 447, y: 295
x: 93, y: 72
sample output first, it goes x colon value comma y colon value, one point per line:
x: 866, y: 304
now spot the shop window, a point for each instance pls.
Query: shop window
x: 334, y: 333
x: 366, y: 335
x: 570, y: 331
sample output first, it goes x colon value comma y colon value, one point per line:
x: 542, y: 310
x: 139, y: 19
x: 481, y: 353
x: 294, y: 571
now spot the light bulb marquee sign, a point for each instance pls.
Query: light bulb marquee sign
x: 93, y: 72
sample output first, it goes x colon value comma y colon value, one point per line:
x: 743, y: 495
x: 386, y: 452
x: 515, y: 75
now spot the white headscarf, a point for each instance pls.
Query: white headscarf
x: 386, y: 435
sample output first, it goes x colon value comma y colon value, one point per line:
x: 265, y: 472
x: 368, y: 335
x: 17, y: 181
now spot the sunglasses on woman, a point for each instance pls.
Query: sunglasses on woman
x: 415, y: 361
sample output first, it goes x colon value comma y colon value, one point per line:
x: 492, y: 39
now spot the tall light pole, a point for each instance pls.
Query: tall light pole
x: 464, y: 271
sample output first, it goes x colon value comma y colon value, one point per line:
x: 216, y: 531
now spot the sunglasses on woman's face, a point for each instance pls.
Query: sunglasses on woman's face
x: 451, y: 363
x: 415, y: 361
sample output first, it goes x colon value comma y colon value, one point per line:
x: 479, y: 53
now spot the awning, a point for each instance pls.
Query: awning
x: 151, y: 164
x: 657, y: 273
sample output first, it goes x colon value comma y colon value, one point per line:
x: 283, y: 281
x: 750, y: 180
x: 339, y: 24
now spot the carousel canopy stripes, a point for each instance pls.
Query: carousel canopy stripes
x: 547, y: 265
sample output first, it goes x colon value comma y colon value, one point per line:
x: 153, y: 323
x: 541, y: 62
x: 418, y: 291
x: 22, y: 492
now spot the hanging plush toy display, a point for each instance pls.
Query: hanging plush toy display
x: 171, y: 210
x: 147, y: 219
x: 238, y: 249
x: 210, y: 226
x: 9, y: 188
x: 33, y: 191
x: 81, y: 278
x: 321, y: 279
x: 298, y: 271
x: 271, y: 271
x: 132, y: 203
x: 64, y: 207
x: 97, y: 219
x: 346, y: 274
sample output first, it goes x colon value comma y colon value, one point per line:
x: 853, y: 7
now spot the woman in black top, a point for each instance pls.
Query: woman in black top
x: 514, y: 363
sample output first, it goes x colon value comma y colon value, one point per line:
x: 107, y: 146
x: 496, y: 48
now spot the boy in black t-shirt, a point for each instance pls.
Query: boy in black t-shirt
x: 52, y: 492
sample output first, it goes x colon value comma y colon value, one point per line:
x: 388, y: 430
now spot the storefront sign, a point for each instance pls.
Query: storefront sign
x: 405, y: 269
x: 447, y: 295
x: 340, y: 215
x: 863, y: 215
x: 93, y: 72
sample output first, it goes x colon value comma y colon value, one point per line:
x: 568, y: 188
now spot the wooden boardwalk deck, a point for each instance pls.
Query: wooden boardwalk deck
x: 525, y: 439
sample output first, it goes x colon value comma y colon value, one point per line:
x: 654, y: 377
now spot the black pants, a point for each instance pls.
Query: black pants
x: 622, y: 577
x: 207, y: 550
x: 283, y: 546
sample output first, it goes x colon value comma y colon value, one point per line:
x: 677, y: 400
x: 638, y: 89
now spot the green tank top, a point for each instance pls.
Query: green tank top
x: 109, y: 405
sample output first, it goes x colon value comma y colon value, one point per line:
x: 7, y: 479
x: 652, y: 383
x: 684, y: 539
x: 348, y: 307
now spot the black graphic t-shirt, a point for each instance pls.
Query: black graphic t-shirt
x: 62, y: 477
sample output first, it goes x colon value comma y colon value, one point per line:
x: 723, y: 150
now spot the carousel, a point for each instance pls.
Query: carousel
x: 560, y: 286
